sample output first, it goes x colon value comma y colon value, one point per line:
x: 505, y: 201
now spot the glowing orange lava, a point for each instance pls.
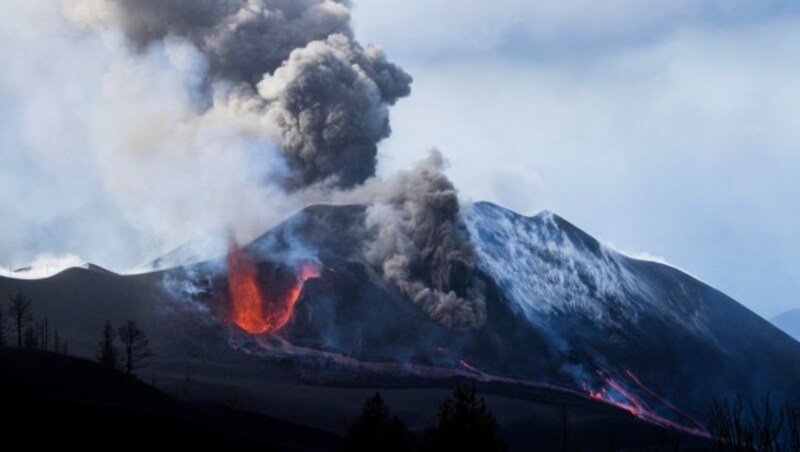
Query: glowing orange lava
x: 245, y: 294
x: 250, y: 309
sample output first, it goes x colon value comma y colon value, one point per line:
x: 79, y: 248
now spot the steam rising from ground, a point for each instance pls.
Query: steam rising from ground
x: 144, y: 123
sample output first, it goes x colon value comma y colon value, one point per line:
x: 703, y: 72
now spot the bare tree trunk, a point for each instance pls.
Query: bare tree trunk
x: 56, y: 341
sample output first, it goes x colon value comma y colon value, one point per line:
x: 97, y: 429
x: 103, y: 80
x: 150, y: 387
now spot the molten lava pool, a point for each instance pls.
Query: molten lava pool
x: 258, y: 309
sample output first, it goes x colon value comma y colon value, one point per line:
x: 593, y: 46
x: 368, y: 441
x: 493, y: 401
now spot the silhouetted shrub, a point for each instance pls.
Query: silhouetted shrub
x: 107, y: 354
x: 376, y: 429
x: 464, y: 423
x: 3, y: 329
x: 29, y: 340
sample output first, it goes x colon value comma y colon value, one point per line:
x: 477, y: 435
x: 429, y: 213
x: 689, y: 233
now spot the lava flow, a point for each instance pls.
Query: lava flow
x: 260, y: 311
x: 615, y: 394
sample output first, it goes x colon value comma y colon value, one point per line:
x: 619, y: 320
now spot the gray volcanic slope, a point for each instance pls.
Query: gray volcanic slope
x: 562, y: 310
x: 682, y: 337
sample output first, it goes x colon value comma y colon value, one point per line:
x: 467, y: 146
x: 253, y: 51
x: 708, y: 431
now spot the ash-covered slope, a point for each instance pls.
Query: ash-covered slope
x: 599, y: 310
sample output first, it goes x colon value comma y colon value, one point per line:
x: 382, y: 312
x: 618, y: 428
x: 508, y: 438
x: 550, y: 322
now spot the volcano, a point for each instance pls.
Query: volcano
x: 298, y: 318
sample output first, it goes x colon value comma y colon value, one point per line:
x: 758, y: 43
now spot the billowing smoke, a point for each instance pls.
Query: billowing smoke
x: 145, y: 123
x: 327, y: 93
x: 242, y: 39
x: 330, y: 98
x: 422, y: 247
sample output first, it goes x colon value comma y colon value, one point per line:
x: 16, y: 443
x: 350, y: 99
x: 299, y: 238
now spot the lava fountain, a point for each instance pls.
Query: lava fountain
x: 259, y: 311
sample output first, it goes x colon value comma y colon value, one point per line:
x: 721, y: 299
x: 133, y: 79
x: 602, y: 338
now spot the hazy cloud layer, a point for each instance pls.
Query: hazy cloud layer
x: 531, y: 29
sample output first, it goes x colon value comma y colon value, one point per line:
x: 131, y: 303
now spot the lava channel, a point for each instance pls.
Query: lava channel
x: 254, y: 309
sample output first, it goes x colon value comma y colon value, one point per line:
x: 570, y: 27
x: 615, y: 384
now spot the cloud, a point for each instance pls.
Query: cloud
x: 531, y: 28
x: 44, y: 266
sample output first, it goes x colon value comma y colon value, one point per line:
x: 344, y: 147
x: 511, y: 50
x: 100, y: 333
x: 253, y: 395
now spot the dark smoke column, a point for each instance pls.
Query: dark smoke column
x: 331, y: 100
x: 299, y: 61
x: 422, y: 247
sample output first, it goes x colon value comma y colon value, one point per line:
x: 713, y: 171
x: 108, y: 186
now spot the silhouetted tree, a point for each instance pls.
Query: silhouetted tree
x: 30, y: 341
x: 188, y: 374
x: 464, y: 423
x: 107, y: 352
x: 3, y: 331
x: 43, y: 333
x: 377, y: 429
x: 571, y: 441
x: 135, y: 346
x: 793, y: 426
x: 21, y: 313
x: 56, y: 341
x: 664, y: 441
x: 768, y: 425
x: 735, y: 426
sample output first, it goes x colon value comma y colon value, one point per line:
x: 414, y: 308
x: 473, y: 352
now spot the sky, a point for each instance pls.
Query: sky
x: 666, y: 129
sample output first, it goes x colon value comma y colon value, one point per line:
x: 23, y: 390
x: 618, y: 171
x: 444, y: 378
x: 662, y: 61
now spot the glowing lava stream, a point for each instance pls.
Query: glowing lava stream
x: 626, y: 400
x: 632, y: 404
x: 250, y: 310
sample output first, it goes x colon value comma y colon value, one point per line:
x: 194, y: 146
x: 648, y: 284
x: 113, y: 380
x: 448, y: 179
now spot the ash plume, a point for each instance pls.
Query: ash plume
x: 242, y: 39
x: 331, y: 100
x: 161, y: 120
x: 327, y: 93
x: 423, y: 248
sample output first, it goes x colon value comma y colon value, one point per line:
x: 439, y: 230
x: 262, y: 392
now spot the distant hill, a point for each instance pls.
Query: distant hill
x: 789, y: 322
